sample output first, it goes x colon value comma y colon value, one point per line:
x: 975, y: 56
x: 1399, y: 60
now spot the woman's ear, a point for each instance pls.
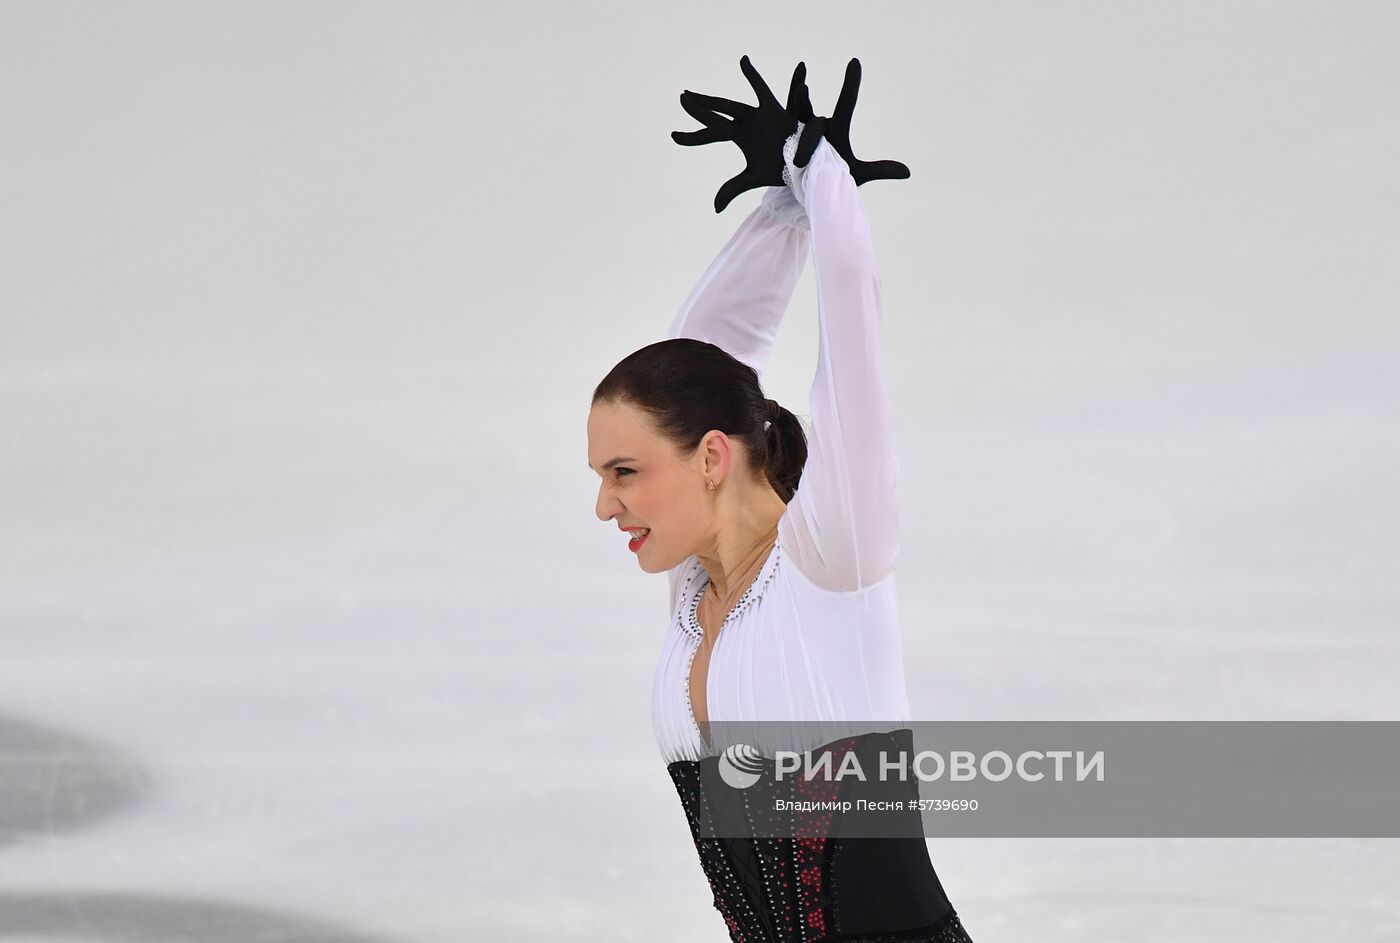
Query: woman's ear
x: 716, y: 454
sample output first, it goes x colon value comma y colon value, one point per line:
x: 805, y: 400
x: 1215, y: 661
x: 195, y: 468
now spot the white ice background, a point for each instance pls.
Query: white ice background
x: 307, y: 628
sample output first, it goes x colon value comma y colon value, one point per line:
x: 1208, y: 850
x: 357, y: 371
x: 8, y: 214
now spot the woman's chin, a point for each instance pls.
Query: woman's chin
x: 651, y: 563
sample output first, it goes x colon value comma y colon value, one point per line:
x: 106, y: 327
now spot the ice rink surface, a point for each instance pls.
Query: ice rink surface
x: 308, y: 631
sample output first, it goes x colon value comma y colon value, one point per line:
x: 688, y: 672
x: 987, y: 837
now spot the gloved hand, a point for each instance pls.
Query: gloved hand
x: 760, y: 131
x: 837, y: 130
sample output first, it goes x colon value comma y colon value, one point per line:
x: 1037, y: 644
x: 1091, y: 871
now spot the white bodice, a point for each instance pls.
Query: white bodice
x: 789, y: 650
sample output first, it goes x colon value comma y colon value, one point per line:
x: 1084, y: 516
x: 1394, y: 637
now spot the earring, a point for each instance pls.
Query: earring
x: 711, y: 483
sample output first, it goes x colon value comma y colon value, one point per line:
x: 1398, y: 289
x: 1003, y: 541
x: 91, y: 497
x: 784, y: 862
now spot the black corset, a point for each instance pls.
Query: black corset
x: 807, y: 882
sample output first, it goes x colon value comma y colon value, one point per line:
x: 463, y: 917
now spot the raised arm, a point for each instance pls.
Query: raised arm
x: 842, y: 525
x: 740, y: 300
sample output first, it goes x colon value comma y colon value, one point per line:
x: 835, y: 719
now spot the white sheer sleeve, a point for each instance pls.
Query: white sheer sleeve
x: 842, y: 525
x: 740, y: 300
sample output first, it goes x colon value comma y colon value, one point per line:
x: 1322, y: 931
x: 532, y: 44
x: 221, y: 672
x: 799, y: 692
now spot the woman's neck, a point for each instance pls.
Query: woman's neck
x: 747, y: 531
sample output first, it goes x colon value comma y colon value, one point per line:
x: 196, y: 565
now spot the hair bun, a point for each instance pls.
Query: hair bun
x: 774, y: 410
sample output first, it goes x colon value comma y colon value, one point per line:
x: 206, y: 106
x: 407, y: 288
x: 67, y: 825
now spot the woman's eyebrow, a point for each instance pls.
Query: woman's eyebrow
x: 610, y: 463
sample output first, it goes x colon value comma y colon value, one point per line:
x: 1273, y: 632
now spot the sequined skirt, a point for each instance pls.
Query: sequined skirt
x: 796, y: 882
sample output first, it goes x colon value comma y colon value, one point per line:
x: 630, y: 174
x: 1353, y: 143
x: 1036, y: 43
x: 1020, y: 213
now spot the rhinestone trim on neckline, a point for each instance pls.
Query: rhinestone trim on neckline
x: 691, y: 623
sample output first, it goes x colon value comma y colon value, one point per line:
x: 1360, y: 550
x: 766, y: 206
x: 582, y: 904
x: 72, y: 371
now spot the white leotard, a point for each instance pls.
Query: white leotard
x: 816, y: 636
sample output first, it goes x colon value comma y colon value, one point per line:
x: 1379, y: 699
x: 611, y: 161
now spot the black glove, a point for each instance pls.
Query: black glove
x: 837, y: 130
x: 760, y: 131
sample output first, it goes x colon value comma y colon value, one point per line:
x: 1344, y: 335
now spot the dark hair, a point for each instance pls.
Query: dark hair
x: 689, y: 387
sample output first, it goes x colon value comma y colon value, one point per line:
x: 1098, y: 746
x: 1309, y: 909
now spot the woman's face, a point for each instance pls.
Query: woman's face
x: 646, y: 483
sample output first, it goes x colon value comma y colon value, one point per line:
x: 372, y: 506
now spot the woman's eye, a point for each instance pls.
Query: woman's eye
x: 624, y: 471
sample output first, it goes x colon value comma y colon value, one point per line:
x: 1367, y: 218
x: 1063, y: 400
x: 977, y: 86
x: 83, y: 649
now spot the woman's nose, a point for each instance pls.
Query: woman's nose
x: 607, y: 505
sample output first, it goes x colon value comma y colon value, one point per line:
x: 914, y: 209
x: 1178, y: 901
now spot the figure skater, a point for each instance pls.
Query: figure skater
x: 779, y: 545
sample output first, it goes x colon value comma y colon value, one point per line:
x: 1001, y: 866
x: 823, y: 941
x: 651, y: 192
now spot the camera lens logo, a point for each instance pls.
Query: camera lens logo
x: 740, y: 765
